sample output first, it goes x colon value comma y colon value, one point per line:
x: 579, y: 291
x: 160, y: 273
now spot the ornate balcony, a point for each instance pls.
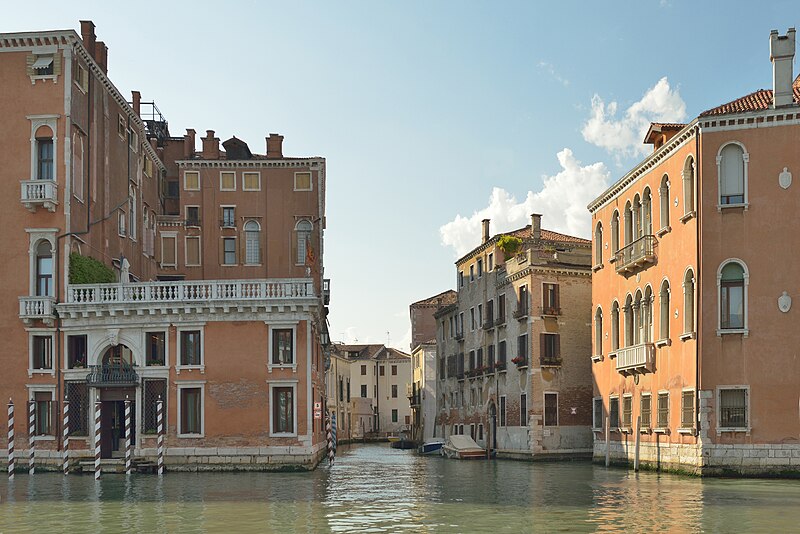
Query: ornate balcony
x: 549, y: 311
x: 488, y: 324
x: 36, y: 309
x: 521, y: 313
x: 636, y: 359
x: 636, y: 255
x: 37, y: 193
x: 112, y: 375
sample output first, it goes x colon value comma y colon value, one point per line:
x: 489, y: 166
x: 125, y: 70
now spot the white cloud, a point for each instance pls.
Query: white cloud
x: 562, y: 202
x: 623, y: 136
x: 551, y: 70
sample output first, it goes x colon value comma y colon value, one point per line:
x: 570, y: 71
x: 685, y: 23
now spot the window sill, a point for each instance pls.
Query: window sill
x: 191, y: 436
x: 612, y: 355
x: 179, y: 368
x: 688, y: 335
x: 253, y: 264
x: 292, y: 366
x: 727, y: 331
x: 663, y: 343
x: 687, y: 431
x: 664, y: 231
x: 32, y: 372
x: 597, y: 429
x: 731, y: 430
x: 597, y: 267
x: 644, y: 430
x: 283, y: 434
x: 612, y: 259
x: 688, y: 216
x: 597, y: 358
x: 230, y: 265
x: 742, y: 206
x: 44, y: 438
x: 661, y: 430
x: 625, y: 430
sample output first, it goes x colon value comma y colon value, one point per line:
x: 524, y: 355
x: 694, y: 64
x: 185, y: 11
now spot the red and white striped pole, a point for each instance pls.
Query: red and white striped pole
x: 31, y: 437
x: 128, y: 437
x: 160, y: 425
x: 66, y: 435
x: 97, y: 406
x: 10, y: 439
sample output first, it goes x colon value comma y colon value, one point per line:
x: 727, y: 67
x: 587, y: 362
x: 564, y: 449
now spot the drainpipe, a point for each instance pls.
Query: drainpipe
x: 697, y: 278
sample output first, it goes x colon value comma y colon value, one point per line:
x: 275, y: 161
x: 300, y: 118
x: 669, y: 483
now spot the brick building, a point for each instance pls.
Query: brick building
x: 147, y: 269
x: 512, y: 367
x: 694, y: 336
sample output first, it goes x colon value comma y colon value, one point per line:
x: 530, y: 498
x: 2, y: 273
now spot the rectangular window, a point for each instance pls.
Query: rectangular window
x: 472, y: 319
x: 663, y: 410
x: 191, y: 181
x: 156, y: 346
x: 480, y: 431
x: 480, y: 315
x: 283, y: 410
x: 550, y: 348
x: 645, y: 411
x: 76, y: 352
x: 121, y: 223
x: 502, y: 410
x: 479, y: 358
x: 394, y: 416
x: 192, y: 250
x: 731, y: 296
x: 173, y: 189
x: 228, y: 217
x: 551, y: 409
x: 44, y: 154
x: 302, y: 181
x: 251, y: 181
x: 382, y: 370
x: 44, y: 407
x: 597, y: 413
x: 627, y: 411
x: 471, y: 273
x: 522, y: 305
x: 490, y: 313
x: 282, y: 346
x: 501, y: 353
x: 133, y: 140
x: 122, y: 126
x: 168, y: 253
x: 191, y: 351
x: 550, y: 300
x: 363, y: 391
x: 501, y: 309
x: 394, y: 391
x: 363, y: 370
x: 687, y: 409
x: 148, y: 167
x: 490, y: 356
x: 490, y: 263
x: 522, y: 349
x: 191, y: 408
x: 394, y: 370
x: 613, y: 412
x: 43, y: 353
x: 154, y: 389
x: 480, y: 267
x: 78, y: 395
x: 733, y: 408
x: 229, y: 251
x: 192, y: 215
x: 227, y: 181
x: 460, y: 278
x: 523, y: 409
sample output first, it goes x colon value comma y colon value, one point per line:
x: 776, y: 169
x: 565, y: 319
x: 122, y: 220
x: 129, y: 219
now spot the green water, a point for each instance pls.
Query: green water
x: 373, y: 488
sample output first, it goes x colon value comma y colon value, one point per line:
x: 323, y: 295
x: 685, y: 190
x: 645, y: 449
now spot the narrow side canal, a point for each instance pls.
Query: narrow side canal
x: 372, y: 488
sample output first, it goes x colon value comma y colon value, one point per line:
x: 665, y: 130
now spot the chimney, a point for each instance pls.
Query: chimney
x: 101, y: 56
x: 136, y: 96
x: 188, y: 143
x: 210, y: 146
x: 275, y: 146
x: 536, y: 226
x: 781, y: 53
x: 485, y: 224
x: 87, y: 36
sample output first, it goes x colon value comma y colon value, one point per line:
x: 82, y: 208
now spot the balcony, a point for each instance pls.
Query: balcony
x: 501, y: 320
x: 36, y: 309
x: 550, y: 361
x: 549, y: 311
x: 521, y: 313
x: 637, y: 359
x: 326, y: 291
x: 185, y: 296
x: 636, y: 255
x: 112, y: 375
x: 459, y: 335
x: 37, y: 193
x: 488, y: 324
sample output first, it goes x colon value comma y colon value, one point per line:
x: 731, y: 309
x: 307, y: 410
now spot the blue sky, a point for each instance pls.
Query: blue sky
x: 431, y: 115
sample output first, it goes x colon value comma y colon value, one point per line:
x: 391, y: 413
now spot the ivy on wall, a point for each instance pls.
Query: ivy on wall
x: 86, y: 270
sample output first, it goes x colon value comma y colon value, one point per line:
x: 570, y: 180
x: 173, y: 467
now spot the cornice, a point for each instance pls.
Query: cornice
x: 251, y: 163
x: 765, y: 118
x: 682, y: 137
x: 541, y: 269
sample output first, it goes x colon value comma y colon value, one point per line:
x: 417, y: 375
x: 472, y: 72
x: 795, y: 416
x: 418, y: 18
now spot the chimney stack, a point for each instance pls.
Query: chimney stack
x: 210, y: 146
x: 274, y: 146
x: 485, y: 224
x: 87, y: 36
x: 136, y: 97
x: 536, y: 226
x: 188, y: 143
x: 781, y: 53
x: 101, y: 56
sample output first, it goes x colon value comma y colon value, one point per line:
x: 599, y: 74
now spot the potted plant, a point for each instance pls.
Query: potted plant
x: 519, y: 360
x: 509, y: 244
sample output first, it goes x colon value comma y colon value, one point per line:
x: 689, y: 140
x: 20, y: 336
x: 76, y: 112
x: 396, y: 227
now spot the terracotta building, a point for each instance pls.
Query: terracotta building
x: 147, y: 269
x: 512, y: 368
x: 694, y: 341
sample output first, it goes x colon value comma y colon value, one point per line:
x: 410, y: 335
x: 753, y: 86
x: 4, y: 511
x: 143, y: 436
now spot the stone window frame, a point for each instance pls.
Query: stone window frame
x: 33, y: 389
x: 282, y: 325
x: 745, y: 330
x: 192, y: 384
x: 745, y: 170
x: 190, y: 328
x: 747, y: 400
x: 42, y: 332
x: 271, y: 384
x: 596, y: 428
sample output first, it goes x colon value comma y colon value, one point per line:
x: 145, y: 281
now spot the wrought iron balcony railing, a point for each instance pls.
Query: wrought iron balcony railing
x: 112, y: 375
x: 638, y: 254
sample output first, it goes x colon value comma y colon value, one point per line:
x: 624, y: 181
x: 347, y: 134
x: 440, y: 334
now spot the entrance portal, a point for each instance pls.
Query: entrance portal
x: 112, y: 421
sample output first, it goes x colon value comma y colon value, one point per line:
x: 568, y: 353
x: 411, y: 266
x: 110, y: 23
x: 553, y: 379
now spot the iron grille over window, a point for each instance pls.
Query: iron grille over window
x: 153, y: 389
x: 78, y: 397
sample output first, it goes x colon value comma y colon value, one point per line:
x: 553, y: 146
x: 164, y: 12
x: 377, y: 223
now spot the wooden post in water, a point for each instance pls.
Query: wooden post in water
x: 97, y: 408
x: 608, y: 441
x: 128, y: 437
x: 638, y: 438
x: 31, y: 437
x: 10, y: 439
x: 66, y: 435
x: 160, y: 428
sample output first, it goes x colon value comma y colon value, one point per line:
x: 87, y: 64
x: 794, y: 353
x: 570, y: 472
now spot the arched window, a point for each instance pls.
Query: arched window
x: 303, y: 236
x: 252, y: 243
x: 638, y: 318
x: 44, y: 269
x: 615, y: 232
x: 598, y: 332
x: 732, y: 282
x: 628, y: 321
x: 44, y: 154
x: 663, y: 196
x: 615, y: 326
x: 598, y: 244
x: 628, y: 223
x: 636, y: 219
x: 732, y: 170
x: 688, y: 186
x: 647, y: 315
x: 688, y: 302
x: 647, y: 213
x: 663, y: 298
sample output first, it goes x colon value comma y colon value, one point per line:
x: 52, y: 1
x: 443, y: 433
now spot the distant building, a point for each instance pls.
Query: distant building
x: 423, y: 324
x: 512, y: 369
x: 695, y: 335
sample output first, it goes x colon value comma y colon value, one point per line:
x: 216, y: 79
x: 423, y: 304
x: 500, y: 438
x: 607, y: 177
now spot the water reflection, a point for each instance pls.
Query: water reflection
x: 377, y: 489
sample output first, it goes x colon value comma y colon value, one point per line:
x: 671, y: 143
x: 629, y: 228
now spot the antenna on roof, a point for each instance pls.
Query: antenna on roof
x: 388, y: 339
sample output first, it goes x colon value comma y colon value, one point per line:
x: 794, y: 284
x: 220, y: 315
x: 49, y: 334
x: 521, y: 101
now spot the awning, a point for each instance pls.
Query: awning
x: 42, y: 62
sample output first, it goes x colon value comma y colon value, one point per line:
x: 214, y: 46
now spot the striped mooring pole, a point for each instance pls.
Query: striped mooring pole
x: 333, y: 431
x: 10, y: 439
x: 31, y: 437
x: 160, y: 427
x: 329, y: 437
x: 97, y: 407
x: 128, y: 437
x: 66, y: 435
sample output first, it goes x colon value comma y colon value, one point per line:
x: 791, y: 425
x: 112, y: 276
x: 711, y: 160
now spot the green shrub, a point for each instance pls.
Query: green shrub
x: 509, y: 244
x: 86, y: 270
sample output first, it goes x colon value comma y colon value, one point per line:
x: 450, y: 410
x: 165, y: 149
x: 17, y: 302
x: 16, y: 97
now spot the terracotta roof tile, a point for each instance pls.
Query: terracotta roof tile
x: 549, y: 235
x: 442, y: 299
x: 756, y: 101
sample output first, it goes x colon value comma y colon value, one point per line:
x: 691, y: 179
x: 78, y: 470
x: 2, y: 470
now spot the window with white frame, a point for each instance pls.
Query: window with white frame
x: 732, y: 282
x: 663, y: 197
x: 191, y: 416
x: 598, y: 244
x: 228, y: 217
x: 627, y: 410
x: 282, y: 346
x: 156, y: 349
x: 76, y: 352
x: 252, y: 240
x: 44, y: 412
x: 302, y: 181
x: 645, y: 410
x: 597, y: 412
x: 190, y: 347
x: 688, y: 187
x: 41, y: 353
x: 614, y: 233
x: 551, y: 409
x: 613, y: 412
x: 78, y: 168
x: 688, y: 302
x: 228, y: 251
x: 687, y: 408
x: 121, y: 223
x: 615, y: 326
x: 732, y: 169
x: 663, y: 410
x: 132, y: 213
x: 44, y: 269
x: 169, y: 250
x: 191, y: 181
x: 44, y: 158
x: 122, y: 126
x: 227, y: 181
x: 192, y: 245
x: 251, y: 181
x: 284, y: 407
x: 192, y: 215
x: 733, y: 413
x: 598, y: 332
x: 663, y: 299
x: 303, y: 241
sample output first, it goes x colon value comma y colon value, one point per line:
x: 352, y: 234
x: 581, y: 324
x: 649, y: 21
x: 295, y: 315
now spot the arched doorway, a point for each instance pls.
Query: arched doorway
x: 492, y: 441
x: 116, y: 381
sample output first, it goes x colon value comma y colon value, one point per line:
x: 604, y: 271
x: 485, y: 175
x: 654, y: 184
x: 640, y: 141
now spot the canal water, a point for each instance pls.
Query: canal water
x: 372, y: 488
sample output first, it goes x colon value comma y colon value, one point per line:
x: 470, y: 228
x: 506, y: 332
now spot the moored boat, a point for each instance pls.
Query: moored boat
x: 431, y: 447
x: 463, y: 448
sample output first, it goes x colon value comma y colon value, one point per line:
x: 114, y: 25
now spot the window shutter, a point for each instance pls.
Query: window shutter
x: 557, y: 345
x: 542, y: 346
x: 732, y: 182
x: 556, y: 296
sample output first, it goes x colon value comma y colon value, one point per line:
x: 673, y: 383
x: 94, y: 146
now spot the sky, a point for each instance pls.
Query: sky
x: 431, y: 115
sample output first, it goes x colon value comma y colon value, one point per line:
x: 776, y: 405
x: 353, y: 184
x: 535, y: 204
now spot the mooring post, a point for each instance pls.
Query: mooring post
x: 10, y: 439
x: 97, y: 408
x: 608, y: 442
x: 128, y: 437
x: 160, y: 429
x: 638, y: 437
x: 31, y: 437
x: 66, y: 435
